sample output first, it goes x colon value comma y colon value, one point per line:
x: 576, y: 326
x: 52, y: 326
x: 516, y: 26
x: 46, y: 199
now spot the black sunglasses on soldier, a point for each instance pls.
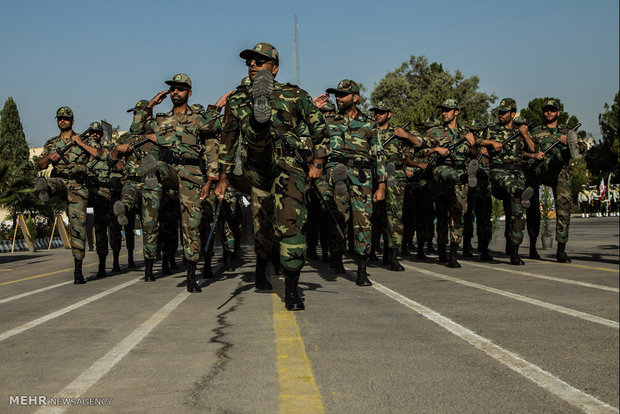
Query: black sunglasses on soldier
x: 259, y: 62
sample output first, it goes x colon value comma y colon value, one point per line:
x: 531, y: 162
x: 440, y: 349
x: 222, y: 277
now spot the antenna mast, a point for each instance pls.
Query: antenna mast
x: 296, y: 64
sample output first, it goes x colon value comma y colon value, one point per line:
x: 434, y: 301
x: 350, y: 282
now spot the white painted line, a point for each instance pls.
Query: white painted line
x: 23, y: 295
x: 540, y: 377
x: 536, y: 302
x: 53, y: 315
x: 555, y: 279
x: 100, y: 368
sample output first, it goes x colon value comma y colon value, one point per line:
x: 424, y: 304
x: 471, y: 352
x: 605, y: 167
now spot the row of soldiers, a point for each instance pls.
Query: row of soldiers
x: 289, y: 152
x: 591, y: 205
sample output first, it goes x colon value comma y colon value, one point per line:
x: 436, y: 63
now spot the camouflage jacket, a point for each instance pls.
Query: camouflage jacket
x: 77, y: 157
x: 396, y: 150
x: 355, y: 142
x: 187, y: 135
x: 131, y: 165
x: 443, y: 136
x: 513, y: 152
x: 544, y: 137
x: 98, y: 167
x: 290, y: 106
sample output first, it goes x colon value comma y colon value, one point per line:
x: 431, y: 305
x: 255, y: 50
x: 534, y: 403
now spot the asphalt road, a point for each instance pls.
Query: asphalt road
x: 486, y: 338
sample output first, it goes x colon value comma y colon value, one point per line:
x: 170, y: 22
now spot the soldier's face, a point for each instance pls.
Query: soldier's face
x: 346, y: 100
x: 505, y: 117
x: 382, y: 117
x: 179, y: 94
x: 448, y: 114
x: 96, y: 135
x: 550, y: 114
x: 64, y: 124
x: 256, y: 64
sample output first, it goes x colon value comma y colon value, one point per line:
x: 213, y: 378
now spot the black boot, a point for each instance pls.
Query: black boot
x: 515, y: 259
x: 165, y: 265
x: 192, y: 285
x: 173, y: 263
x: 260, y: 276
x: 275, y: 261
x: 387, y: 254
x: 362, y: 278
x: 467, y: 249
x: 372, y: 257
x: 395, y: 265
x: 325, y: 251
x: 207, y: 272
x: 101, y: 271
x: 148, y: 270
x: 420, y: 254
x: 78, y: 278
x: 116, y: 266
x: 337, y: 265
x: 227, y: 261
x: 533, y: 252
x: 292, y: 301
x: 561, y: 255
x: 483, y: 247
x: 130, y: 263
x: 508, y: 248
x: 311, y: 253
x: 404, y: 250
x: 443, y: 257
x: 452, y: 262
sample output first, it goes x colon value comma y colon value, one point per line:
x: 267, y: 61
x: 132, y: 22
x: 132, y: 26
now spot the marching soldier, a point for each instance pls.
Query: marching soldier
x: 68, y: 180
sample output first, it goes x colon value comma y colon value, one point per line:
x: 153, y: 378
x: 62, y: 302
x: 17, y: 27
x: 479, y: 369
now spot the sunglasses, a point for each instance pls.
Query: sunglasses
x: 339, y: 94
x: 259, y: 62
x: 178, y: 88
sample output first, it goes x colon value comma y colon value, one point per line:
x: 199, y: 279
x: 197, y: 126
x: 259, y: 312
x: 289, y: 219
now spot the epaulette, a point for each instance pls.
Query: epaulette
x: 162, y: 114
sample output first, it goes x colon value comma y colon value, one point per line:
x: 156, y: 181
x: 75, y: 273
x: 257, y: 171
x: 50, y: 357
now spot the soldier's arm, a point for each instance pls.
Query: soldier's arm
x: 378, y: 158
x: 47, y: 156
x: 228, y: 145
x: 486, y: 140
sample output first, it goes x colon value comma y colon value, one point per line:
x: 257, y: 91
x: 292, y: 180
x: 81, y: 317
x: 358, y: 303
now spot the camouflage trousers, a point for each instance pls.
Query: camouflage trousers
x: 394, y: 199
x: 76, y: 196
x: 279, y: 215
x: 561, y: 184
x: 230, y: 219
x: 508, y: 185
x: 479, y: 205
x: 137, y: 197
x: 105, y: 223
x: 168, y: 218
x: 423, y: 193
x: 189, y: 187
x: 451, y: 206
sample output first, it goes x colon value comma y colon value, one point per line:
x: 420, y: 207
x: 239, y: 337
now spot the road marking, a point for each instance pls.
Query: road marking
x: 555, y: 279
x: 605, y: 269
x: 53, y: 273
x: 298, y: 390
x: 6, y: 270
x: 100, y: 368
x: 23, y: 295
x: 53, y: 315
x: 540, y: 377
x: 557, y: 308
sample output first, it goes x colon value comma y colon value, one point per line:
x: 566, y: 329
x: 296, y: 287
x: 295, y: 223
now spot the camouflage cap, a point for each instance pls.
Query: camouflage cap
x: 449, y: 104
x: 430, y: 122
x: 551, y: 103
x: 346, y: 86
x: 139, y: 106
x: 262, y: 49
x: 507, y: 104
x: 380, y: 107
x: 477, y: 125
x: 329, y: 106
x: 180, y: 79
x: 64, y: 112
x: 95, y: 127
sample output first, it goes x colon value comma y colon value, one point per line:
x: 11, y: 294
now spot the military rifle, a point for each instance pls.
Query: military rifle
x: 405, y: 125
x: 508, y: 141
x: 557, y: 142
x: 69, y: 146
x: 431, y: 164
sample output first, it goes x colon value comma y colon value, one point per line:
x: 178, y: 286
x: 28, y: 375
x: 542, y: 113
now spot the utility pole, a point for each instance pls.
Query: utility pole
x: 296, y: 64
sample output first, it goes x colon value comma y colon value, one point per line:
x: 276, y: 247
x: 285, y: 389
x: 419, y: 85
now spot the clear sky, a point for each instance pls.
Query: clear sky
x: 101, y: 57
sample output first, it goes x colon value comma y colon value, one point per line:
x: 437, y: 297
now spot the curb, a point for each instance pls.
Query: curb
x: 20, y: 245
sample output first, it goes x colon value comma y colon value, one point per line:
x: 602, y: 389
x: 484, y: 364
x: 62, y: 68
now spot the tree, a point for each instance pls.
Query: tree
x: 14, y: 154
x: 604, y: 157
x: 414, y: 90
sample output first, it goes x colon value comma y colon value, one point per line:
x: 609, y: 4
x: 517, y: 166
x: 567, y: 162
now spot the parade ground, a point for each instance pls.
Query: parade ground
x: 486, y: 338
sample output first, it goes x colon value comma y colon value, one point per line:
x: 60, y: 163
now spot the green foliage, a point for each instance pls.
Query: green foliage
x: 497, y: 210
x: 581, y: 176
x: 414, y: 90
x: 533, y: 113
x: 546, y: 206
x: 604, y: 157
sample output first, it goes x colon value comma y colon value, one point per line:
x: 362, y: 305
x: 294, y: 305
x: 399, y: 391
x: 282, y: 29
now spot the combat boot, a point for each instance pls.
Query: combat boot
x: 192, y: 286
x: 515, y: 259
x: 336, y: 264
x: 561, y: 255
x: 130, y: 263
x: 420, y: 254
x: 325, y: 252
x: 173, y: 263
x: 483, y: 247
x: 78, y: 278
x: 404, y: 249
x: 42, y: 189
x: 443, y: 257
x: 311, y: 253
x: 387, y: 254
x: 429, y: 247
x: 533, y: 252
x: 275, y: 261
x: 121, y: 214
x: 362, y: 276
x: 101, y: 271
x: 227, y: 261
x: 452, y: 262
x: 207, y: 272
x: 395, y: 265
x: 261, y: 90
x: 372, y: 257
x: 260, y: 276
x: 148, y: 270
x: 149, y: 171
x: 526, y: 195
x: 467, y: 249
x: 116, y: 266
x: 165, y: 265
x: 508, y: 248
x: 292, y: 300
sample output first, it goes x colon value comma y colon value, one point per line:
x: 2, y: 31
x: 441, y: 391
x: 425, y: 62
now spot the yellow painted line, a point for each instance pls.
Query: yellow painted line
x: 605, y: 269
x: 298, y: 391
x: 51, y: 273
x: 5, y: 270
